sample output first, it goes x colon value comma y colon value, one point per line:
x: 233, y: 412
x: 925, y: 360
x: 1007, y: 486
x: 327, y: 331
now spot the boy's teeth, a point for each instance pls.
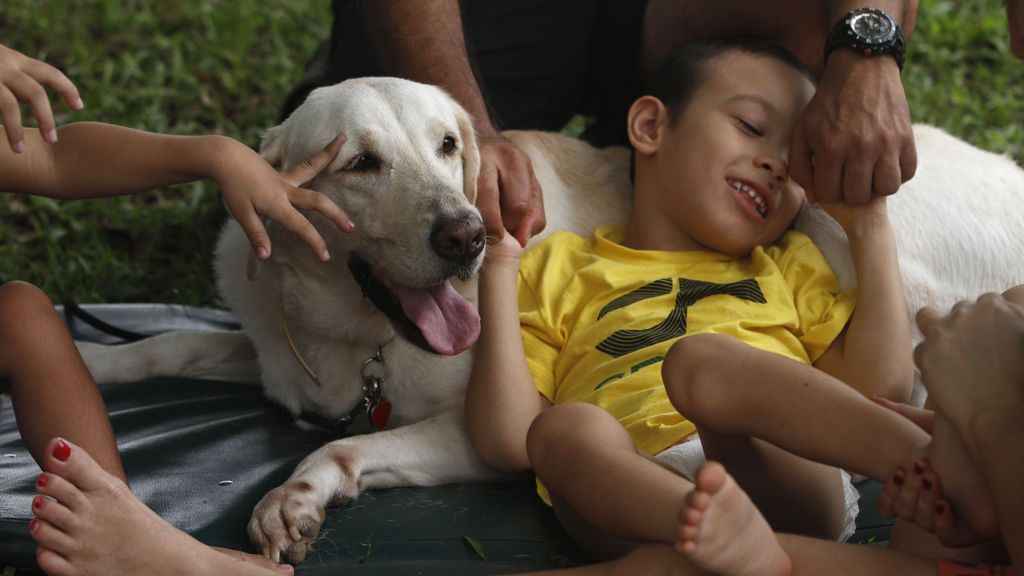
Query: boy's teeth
x: 758, y: 201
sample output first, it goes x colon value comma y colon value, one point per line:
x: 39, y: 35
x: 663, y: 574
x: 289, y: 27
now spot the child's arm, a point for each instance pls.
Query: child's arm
x: 874, y: 355
x: 501, y: 400
x: 92, y: 160
x: 22, y: 79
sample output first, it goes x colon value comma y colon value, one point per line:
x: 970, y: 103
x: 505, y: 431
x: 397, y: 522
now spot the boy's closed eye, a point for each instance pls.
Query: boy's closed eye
x: 750, y: 127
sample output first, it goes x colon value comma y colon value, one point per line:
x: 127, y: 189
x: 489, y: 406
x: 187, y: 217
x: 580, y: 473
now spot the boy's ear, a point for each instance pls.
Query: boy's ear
x: 643, y: 124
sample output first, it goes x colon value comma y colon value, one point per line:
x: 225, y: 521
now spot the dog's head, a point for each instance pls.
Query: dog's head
x: 406, y: 175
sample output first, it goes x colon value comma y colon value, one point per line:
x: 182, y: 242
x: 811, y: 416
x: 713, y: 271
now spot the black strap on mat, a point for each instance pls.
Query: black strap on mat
x: 73, y: 310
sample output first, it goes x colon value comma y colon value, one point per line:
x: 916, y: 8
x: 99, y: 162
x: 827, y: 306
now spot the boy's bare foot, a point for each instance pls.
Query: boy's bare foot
x: 722, y: 531
x: 88, y: 522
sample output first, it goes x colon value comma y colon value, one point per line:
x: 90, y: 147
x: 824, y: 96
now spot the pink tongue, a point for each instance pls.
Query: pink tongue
x: 448, y: 321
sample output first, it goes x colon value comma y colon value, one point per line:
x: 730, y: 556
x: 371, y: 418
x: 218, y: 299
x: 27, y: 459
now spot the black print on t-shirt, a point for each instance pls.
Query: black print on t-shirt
x: 623, y: 342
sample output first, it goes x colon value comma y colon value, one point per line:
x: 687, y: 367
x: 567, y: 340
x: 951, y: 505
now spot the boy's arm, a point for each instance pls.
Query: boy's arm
x: 874, y: 355
x: 92, y: 160
x: 501, y: 400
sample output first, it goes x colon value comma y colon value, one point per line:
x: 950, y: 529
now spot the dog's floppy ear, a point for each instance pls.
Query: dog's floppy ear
x: 271, y: 147
x: 470, y: 154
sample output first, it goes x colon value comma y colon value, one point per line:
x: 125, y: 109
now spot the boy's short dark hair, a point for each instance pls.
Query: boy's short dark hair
x: 678, y: 76
x: 676, y: 79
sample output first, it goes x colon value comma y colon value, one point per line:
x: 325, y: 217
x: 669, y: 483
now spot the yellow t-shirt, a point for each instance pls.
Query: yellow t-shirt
x: 597, y: 318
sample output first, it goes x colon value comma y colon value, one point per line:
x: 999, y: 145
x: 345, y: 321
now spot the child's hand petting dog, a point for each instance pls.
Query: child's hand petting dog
x: 252, y: 189
x: 22, y: 80
x: 503, y: 253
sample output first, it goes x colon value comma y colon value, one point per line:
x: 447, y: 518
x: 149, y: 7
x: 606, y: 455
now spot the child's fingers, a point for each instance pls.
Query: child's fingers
x: 945, y: 523
x: 307, y: 199
x: 313, y: 165
x: 922, y: 417
x: 256, y: 232
x: 28, y: 90
x: 924, y: 517
x: 905, y: 503
x: 890, y: 490
x: 54, y: 78
x: 11, y: 115
x: 295, y: 222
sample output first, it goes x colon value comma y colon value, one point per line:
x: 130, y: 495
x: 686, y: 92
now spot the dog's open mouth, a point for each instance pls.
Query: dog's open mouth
x: 436, y: 318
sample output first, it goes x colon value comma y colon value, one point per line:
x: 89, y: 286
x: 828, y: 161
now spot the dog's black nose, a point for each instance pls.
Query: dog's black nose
x: 458, y: 239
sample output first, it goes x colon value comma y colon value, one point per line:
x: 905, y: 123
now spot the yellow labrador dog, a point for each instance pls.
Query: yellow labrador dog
x: 376, y: 344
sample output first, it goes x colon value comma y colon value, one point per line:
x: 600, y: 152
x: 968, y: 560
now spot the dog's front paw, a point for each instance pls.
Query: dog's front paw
x: 286, y: 522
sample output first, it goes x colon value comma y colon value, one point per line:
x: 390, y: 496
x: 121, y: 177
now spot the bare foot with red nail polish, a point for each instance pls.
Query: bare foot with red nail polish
x: 88, y: 522
x: 722, y: 531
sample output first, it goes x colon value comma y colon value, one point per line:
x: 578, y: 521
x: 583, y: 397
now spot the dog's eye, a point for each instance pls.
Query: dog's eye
x: 448, y: 146
x: 364, y: 163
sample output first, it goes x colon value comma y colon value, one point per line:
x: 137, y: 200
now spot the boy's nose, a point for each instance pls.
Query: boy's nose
x: 776, y: 168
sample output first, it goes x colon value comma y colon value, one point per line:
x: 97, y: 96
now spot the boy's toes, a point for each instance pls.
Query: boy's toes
x: 75, y: 465
x: 711, y: 477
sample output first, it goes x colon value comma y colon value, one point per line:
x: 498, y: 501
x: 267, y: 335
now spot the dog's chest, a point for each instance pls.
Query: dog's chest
x: 415, y: 385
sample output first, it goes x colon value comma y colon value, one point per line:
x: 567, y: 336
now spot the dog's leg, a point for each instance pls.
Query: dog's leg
x: 225, y: 355
x: 435, y: 451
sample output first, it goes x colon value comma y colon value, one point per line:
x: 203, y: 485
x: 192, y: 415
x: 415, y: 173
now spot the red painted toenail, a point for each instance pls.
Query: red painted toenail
x: 37, y: 503
x: 898, y: 480
x: 940, y: 508
x: 43, y: 480
x: 32, y: 525
x: 926, y: 483
x: 62, y: 451
x: 918, y: 467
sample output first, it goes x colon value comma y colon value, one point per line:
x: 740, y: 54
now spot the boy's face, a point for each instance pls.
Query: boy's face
x: 720, y: 172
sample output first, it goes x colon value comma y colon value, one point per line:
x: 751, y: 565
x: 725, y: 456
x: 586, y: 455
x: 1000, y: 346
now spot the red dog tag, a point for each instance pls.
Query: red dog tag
x: 379, y: 414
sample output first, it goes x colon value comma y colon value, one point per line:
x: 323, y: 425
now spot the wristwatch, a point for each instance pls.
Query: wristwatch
x: 868, y: 31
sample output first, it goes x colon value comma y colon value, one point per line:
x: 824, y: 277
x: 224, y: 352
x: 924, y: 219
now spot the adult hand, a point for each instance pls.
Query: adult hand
x: 972, y: 360
x: 251, y: 189
x: 508, y: 194
x: 855, y: 140
x: 22, y: 80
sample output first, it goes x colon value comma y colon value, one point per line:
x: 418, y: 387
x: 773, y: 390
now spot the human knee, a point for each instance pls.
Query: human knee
x: 559, y: 429
x: 693, y: 372
x: 22, y: 302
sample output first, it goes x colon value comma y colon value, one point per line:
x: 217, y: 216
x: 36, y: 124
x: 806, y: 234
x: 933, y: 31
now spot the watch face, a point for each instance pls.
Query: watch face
x: 871, y: 27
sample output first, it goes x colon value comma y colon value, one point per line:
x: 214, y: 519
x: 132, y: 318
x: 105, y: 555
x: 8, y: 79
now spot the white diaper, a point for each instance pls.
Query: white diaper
x: 686, y: 457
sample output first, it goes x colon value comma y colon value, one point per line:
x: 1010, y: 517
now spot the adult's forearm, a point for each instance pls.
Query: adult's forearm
x: 423, y: 40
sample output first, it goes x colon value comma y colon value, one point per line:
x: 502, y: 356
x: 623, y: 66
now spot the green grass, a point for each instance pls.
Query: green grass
x: 201, y: 66
x: 188, y: 67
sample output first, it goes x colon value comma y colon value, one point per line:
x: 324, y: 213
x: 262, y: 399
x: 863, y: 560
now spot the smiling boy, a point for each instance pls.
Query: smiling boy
x: 618, y: 336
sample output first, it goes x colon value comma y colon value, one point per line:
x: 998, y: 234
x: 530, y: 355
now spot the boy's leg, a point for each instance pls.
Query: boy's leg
x: 724, y: 532
x: 606, y: 493
x: 51, y: 389
x: 779, y: 425
x: 719, y: 510
x: 731, y: 388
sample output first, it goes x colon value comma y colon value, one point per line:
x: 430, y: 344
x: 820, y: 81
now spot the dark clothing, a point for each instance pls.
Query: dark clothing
x: 538, y: 62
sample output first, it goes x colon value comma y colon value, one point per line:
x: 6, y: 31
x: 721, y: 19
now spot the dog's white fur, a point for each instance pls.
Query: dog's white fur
x: 959, y: 223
